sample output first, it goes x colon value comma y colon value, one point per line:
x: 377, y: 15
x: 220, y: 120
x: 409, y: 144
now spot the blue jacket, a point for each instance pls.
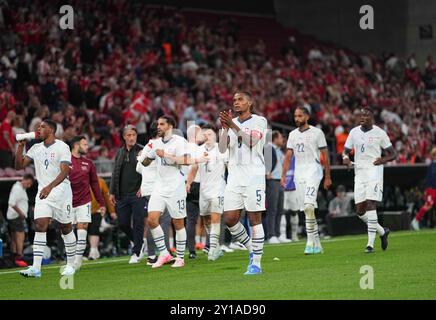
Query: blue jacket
x: 290, y: 184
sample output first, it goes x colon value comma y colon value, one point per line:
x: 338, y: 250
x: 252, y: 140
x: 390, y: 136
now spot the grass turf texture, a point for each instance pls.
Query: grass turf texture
x: 405, y: 271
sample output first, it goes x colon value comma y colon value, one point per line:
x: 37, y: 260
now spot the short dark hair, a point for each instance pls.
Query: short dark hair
x: 304, y: 109
x: 206, y: 126
x: 51, y: 124
x: 75, y: 140
x: 246, y: 93
x: 28, y: 176
x: 367, y: 109
x: 153, y: 129
x: 275, y: 134
x: 170, y: 120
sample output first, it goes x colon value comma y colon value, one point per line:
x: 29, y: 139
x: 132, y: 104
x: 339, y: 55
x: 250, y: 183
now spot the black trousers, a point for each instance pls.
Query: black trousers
x: 129, y: 208
x: 274, y: 199
x: 192, y: 212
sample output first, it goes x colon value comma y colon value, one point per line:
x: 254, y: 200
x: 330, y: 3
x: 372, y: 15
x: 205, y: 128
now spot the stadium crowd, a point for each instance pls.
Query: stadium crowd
x: 114, y: 69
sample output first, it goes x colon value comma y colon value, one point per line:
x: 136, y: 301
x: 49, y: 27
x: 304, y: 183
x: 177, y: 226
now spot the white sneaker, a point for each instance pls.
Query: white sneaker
x: 134, y: 259
x: 68, y: 270
x: 94, y: 254
x: 415, y: 224
x: 237, y: 246
x: 179, y: 263
x: 214, y: 254
x: 273, y: 240
x: 226, y: 249
x: 283, y: 239
x: 295, y: 238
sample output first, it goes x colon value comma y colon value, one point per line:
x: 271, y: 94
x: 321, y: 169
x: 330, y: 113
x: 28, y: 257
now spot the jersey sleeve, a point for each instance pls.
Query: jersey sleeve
x: 143, y: 155
x: 320, y: 140
x: 349, y: 144
x: 289, y: 143
x: 152, y: 153
x: 31, y: 153
x: 385, y: 142
x: 65, y: 155
x: 259, y: 128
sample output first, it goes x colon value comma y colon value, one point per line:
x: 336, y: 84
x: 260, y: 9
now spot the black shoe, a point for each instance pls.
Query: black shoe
x: 384, y: 239
x: 151, y: 261
x: 192, y: 255
x: 369, y: 249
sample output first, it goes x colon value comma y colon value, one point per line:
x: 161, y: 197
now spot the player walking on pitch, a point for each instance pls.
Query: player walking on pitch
x: 306, y: 143
x: 170, y: 152
x: 368, y: 142
x: 212, y: 185
x: 83, y: 175
x: 244, y: 137
x: 51, y: 158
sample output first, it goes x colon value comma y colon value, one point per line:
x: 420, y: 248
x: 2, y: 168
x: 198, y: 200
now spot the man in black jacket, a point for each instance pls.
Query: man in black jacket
x: 125, y: 191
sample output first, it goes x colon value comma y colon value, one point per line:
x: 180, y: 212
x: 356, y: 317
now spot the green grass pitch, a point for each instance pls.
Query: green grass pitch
x: 407, y: 270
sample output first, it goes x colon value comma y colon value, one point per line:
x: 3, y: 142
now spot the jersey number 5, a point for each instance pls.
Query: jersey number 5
x: 258, y: 195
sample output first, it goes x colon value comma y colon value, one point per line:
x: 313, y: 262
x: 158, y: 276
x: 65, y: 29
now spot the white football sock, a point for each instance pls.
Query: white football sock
x: 240, y: 234
x: 70, y: 247
x: 181, y: 243
x: 214, y: 235
x: 258, y: 241
x: 39, y: 244
x: 159, y: 240
x: 372, y: 227
x: 364, y: 218
x: 81, y: 245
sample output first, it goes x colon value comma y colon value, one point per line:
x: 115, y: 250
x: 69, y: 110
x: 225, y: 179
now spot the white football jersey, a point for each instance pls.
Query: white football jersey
x: 169, y: 174
x: 193, y: 151
x: 247, y: 165
x: 212, y: 181
x: 149, y: 172
x: 367, y: 148
x: 306, y: 146
x: 47, y: 161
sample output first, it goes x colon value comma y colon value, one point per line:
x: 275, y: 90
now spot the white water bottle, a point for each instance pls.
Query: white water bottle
x: 25, y: 136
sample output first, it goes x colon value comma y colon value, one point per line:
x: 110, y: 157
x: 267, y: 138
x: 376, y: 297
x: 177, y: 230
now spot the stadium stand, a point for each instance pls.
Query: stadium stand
x: 140, y: 61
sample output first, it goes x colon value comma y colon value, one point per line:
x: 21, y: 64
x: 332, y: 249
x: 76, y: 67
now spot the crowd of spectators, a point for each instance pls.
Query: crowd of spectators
x: 126, y: 62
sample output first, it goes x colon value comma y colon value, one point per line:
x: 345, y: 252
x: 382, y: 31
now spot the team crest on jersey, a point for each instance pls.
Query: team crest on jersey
x: 52, y: 156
